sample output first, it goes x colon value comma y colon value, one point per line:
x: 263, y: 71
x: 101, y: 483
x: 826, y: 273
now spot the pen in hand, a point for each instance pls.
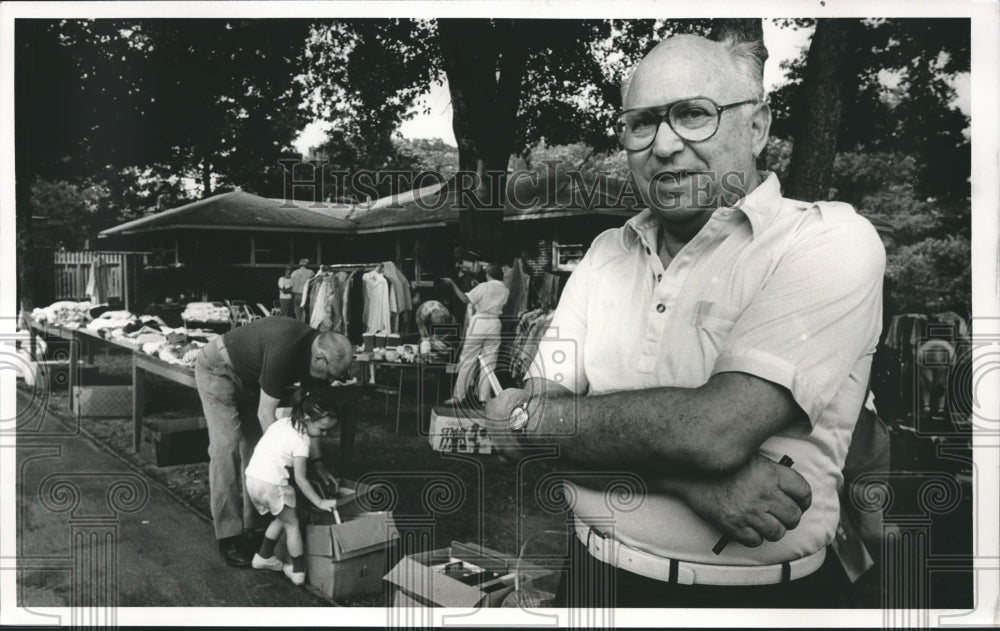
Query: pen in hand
x: 724, y: 540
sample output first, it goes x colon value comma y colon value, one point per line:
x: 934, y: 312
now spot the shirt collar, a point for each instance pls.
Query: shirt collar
x: 760, y: 207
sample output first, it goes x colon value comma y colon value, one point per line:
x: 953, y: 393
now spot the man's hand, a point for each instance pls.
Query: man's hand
x: 761, y: 501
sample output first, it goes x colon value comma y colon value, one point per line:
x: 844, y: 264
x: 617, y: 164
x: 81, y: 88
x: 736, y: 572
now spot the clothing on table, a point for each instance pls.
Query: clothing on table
x: 518, y: 282
x: 276, y: 450
x: 376, y: 302
x: 742, y: 296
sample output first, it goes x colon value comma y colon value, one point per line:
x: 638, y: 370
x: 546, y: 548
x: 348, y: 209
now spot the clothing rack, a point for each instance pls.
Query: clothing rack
x: 338, y: 266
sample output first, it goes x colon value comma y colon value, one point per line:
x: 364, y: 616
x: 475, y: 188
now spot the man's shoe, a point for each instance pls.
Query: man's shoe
x: 235, y: 552
x: 298, y: 578
x: 260, y: 563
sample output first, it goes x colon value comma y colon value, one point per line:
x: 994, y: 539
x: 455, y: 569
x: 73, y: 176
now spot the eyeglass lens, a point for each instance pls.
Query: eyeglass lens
x: 693, y: 120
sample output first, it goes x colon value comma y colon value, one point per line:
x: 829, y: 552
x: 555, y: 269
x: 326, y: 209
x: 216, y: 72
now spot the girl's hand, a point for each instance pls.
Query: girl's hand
x: 327, y: 505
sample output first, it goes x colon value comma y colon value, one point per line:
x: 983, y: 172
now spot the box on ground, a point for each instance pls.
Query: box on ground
x: 55, y: 374
x: 103, y: 395
x: 346, y: 560
x: 461, y: 575
x: 458, y: 430
x: 173, y: 441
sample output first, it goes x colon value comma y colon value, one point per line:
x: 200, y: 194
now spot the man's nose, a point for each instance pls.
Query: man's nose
x: 667, y: 142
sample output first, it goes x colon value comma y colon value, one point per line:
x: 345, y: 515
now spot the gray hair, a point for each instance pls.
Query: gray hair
x: 748, y: 60
x: 337, y: 349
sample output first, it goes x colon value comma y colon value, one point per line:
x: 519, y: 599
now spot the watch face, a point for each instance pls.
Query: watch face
x: 518, y: 418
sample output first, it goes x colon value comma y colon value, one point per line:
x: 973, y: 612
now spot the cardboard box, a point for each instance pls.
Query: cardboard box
x: 174, y: 441
x: 461, y: 575
x: 455, y: 430
x: 54, y: 375
x: 103, y: 395
x: 346, y: 560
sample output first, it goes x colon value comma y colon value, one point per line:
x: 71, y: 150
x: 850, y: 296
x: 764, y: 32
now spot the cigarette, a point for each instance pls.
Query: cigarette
x: 494, y: 382
x: 724, y: 540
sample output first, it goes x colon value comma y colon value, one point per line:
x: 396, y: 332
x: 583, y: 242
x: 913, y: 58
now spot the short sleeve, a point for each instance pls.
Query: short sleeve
x: 560, y: 352
x: 816, y: 315
x: 477, y: 293
x: 301, y: 447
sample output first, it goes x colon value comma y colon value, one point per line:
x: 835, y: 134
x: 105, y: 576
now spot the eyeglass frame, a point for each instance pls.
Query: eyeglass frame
x: 665, y: 118
x: 340, y: 377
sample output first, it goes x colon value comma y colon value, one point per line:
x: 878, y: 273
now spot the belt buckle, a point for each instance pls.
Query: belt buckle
x: 603, y: 549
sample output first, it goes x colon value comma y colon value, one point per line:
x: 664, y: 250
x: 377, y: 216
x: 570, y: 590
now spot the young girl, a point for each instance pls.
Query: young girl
x: 286, y: 444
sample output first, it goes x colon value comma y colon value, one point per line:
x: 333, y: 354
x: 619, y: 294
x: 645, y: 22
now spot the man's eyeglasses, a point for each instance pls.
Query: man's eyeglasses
x: 693, y: 120
x: 331, y: 377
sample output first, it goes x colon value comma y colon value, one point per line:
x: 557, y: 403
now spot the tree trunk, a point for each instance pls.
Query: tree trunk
x: 485, y: 64
x: 206, y: 178
x: 826, y: 84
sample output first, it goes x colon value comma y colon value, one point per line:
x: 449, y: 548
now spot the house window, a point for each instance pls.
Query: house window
x: 271, y: 249
x: 566, y: 256
x: 163, y: 253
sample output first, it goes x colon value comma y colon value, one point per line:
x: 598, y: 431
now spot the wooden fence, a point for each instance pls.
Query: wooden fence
x: 72, y: 272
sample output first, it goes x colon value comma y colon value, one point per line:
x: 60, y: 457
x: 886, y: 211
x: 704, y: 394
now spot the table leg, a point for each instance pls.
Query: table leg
x: 347, y: 427
x: 74, y: 360
x: 399, y: 395
x: 138, y: 404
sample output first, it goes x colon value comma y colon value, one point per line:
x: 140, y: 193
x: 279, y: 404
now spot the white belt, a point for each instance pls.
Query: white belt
x: 621, y: 556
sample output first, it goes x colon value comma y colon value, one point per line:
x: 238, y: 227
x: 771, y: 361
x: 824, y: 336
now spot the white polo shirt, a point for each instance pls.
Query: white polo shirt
x: 787, y: 291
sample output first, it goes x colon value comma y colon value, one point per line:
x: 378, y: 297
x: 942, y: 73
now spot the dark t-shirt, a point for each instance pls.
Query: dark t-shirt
x: 271, y: 353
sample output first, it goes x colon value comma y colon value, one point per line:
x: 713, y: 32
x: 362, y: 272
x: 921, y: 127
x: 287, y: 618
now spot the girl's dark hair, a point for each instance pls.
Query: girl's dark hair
x: 312, y: 405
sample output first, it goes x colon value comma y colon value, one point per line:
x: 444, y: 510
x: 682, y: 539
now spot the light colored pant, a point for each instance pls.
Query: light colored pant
x: 483, y: 339
x: 233, y: 430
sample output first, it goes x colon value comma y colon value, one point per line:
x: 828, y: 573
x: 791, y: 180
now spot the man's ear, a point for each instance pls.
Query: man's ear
x: 760, y: 128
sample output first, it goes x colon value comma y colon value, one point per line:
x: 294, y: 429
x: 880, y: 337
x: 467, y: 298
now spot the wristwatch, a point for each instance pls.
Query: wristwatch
x: 519, y: 417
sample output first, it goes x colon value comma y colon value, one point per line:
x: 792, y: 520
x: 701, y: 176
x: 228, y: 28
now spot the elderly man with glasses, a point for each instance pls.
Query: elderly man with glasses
x: 241, y: 377
x: 707, y: 360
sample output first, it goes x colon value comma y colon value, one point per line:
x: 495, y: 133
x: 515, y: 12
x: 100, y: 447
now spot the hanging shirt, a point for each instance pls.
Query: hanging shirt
x: 376, y: 313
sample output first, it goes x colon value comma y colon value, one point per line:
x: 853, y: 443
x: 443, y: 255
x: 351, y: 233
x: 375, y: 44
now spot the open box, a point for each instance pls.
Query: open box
x: 345, y: 560
x: 461, y: 575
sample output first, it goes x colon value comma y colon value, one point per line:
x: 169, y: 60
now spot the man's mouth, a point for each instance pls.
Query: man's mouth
x: 672, y: 178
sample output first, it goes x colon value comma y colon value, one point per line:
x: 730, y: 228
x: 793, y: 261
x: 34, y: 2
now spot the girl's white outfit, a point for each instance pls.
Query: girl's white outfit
x: 267, y: 474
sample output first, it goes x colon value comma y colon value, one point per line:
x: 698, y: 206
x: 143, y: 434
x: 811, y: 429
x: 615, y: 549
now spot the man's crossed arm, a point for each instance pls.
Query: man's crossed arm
x: 700, y: 444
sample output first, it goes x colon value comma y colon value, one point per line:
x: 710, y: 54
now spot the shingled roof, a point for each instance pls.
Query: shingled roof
x: 240, y: 210
x: 433, y: 206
